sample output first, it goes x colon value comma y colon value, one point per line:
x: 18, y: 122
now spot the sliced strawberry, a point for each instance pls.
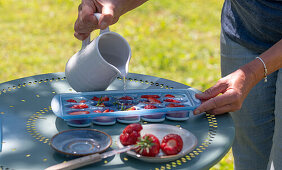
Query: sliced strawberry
x: 97, y: 111
x: 79, y: 113
x: 108, y: 110
x: 106, y: 98
x: 170, y: 96
x: 174, y: 105
x: 126, y: 98
x: 153, y: 100
x: 172, y: 144
x: 148, y: 145
x: 95, y: 98
x: 150, y: 96
x: 72, y: 101
x: 131, y: 108
x: 82, y: 101
x: 150, y: 106
x: 172, y: 100
x: 79, y: 106
x: 102, y: 99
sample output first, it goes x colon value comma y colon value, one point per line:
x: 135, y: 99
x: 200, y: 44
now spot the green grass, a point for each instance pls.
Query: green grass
x: 177, y: 40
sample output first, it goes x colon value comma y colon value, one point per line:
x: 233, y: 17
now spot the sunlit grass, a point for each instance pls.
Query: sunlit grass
x: 177, y: 40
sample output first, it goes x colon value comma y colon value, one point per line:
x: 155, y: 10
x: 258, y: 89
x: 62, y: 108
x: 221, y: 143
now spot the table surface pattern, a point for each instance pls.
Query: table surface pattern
x: 28, y: 124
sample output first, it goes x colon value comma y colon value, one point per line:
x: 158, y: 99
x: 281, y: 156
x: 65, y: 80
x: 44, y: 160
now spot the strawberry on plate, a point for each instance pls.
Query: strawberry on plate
x: 172, y: 144
x: 148, y: 145
x: 130, y: 134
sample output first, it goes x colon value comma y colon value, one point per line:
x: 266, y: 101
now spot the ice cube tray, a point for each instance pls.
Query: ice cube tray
x: 129, y: 106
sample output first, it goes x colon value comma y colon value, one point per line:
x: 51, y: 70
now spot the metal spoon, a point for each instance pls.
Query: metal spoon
x: 86, y: 160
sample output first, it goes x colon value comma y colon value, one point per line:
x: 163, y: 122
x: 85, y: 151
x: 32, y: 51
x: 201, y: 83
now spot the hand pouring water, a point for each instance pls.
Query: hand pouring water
x: 98, y: 62
x: 86, y: 160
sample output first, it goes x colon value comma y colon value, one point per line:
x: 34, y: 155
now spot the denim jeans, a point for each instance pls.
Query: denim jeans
x: 258, y: 124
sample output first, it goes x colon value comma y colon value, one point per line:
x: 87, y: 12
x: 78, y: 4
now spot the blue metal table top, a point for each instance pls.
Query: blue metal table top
x: 28, y: 124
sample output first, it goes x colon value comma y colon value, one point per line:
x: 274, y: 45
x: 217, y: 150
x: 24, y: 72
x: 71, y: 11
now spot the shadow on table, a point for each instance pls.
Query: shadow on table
x: 132, y: 162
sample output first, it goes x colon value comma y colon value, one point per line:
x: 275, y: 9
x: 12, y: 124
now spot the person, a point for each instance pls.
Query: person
x: 251, y: 84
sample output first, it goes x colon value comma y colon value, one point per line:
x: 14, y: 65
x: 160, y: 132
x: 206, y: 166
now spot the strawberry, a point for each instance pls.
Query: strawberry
x: 150, y: 106
x: 108, y: 110
x: 170, y: 96
x: 150, y: 96
x: 153, y: 100
x: 79, y: 106
x: 132, y: 127
x: 130, y: 134
x: 131, y: 108
x: 72, y: 101
x: 174, y: 105
x: 97, y: 111
x: 172, y: 144
x: 82, y: 101
x: 95, y: 98
x: 79, y: 113
x: 126, y: 98
x: 172, y: 100
x: 129, y: 138
x: 102, y: 99
x: 106, y: 98
x: 148, y: 145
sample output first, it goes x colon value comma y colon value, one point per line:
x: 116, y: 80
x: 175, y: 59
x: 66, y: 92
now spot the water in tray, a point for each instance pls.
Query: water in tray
x: 125, y: 106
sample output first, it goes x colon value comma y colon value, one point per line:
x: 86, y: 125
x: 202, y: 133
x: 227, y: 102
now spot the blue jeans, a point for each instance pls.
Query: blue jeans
x: 258, y: 124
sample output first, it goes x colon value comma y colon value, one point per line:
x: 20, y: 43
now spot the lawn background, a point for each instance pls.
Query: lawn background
x: 176, y: 40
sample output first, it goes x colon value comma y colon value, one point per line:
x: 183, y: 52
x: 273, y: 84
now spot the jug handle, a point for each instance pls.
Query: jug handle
x: 87, y: 40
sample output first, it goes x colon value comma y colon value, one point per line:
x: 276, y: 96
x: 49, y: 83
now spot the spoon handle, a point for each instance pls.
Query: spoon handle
x: 76, y: 163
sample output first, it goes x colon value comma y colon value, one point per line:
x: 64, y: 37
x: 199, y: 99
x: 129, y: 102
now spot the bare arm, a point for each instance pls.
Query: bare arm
x: 236, y: 86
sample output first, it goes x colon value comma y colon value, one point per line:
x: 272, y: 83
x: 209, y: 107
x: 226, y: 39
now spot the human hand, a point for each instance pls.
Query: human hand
x: 110, y: 11
x: 228, y: 94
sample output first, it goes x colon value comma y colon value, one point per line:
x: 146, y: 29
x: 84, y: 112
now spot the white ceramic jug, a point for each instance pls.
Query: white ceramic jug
x: 98, y: 62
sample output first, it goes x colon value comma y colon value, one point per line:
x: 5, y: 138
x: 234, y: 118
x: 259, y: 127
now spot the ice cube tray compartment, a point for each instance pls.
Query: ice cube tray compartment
x: 126, y: 106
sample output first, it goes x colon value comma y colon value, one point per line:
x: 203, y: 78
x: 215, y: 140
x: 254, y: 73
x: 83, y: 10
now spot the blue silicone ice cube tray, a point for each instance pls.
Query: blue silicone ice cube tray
x: 126, y: 106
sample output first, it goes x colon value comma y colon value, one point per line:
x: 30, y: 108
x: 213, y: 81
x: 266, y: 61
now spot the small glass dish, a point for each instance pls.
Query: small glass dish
x: 81, y: 142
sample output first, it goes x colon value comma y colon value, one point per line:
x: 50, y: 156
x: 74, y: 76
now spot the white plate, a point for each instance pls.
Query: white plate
x: 161, y: 130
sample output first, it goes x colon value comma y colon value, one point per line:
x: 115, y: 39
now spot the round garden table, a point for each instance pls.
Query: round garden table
x: 27, y: 124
